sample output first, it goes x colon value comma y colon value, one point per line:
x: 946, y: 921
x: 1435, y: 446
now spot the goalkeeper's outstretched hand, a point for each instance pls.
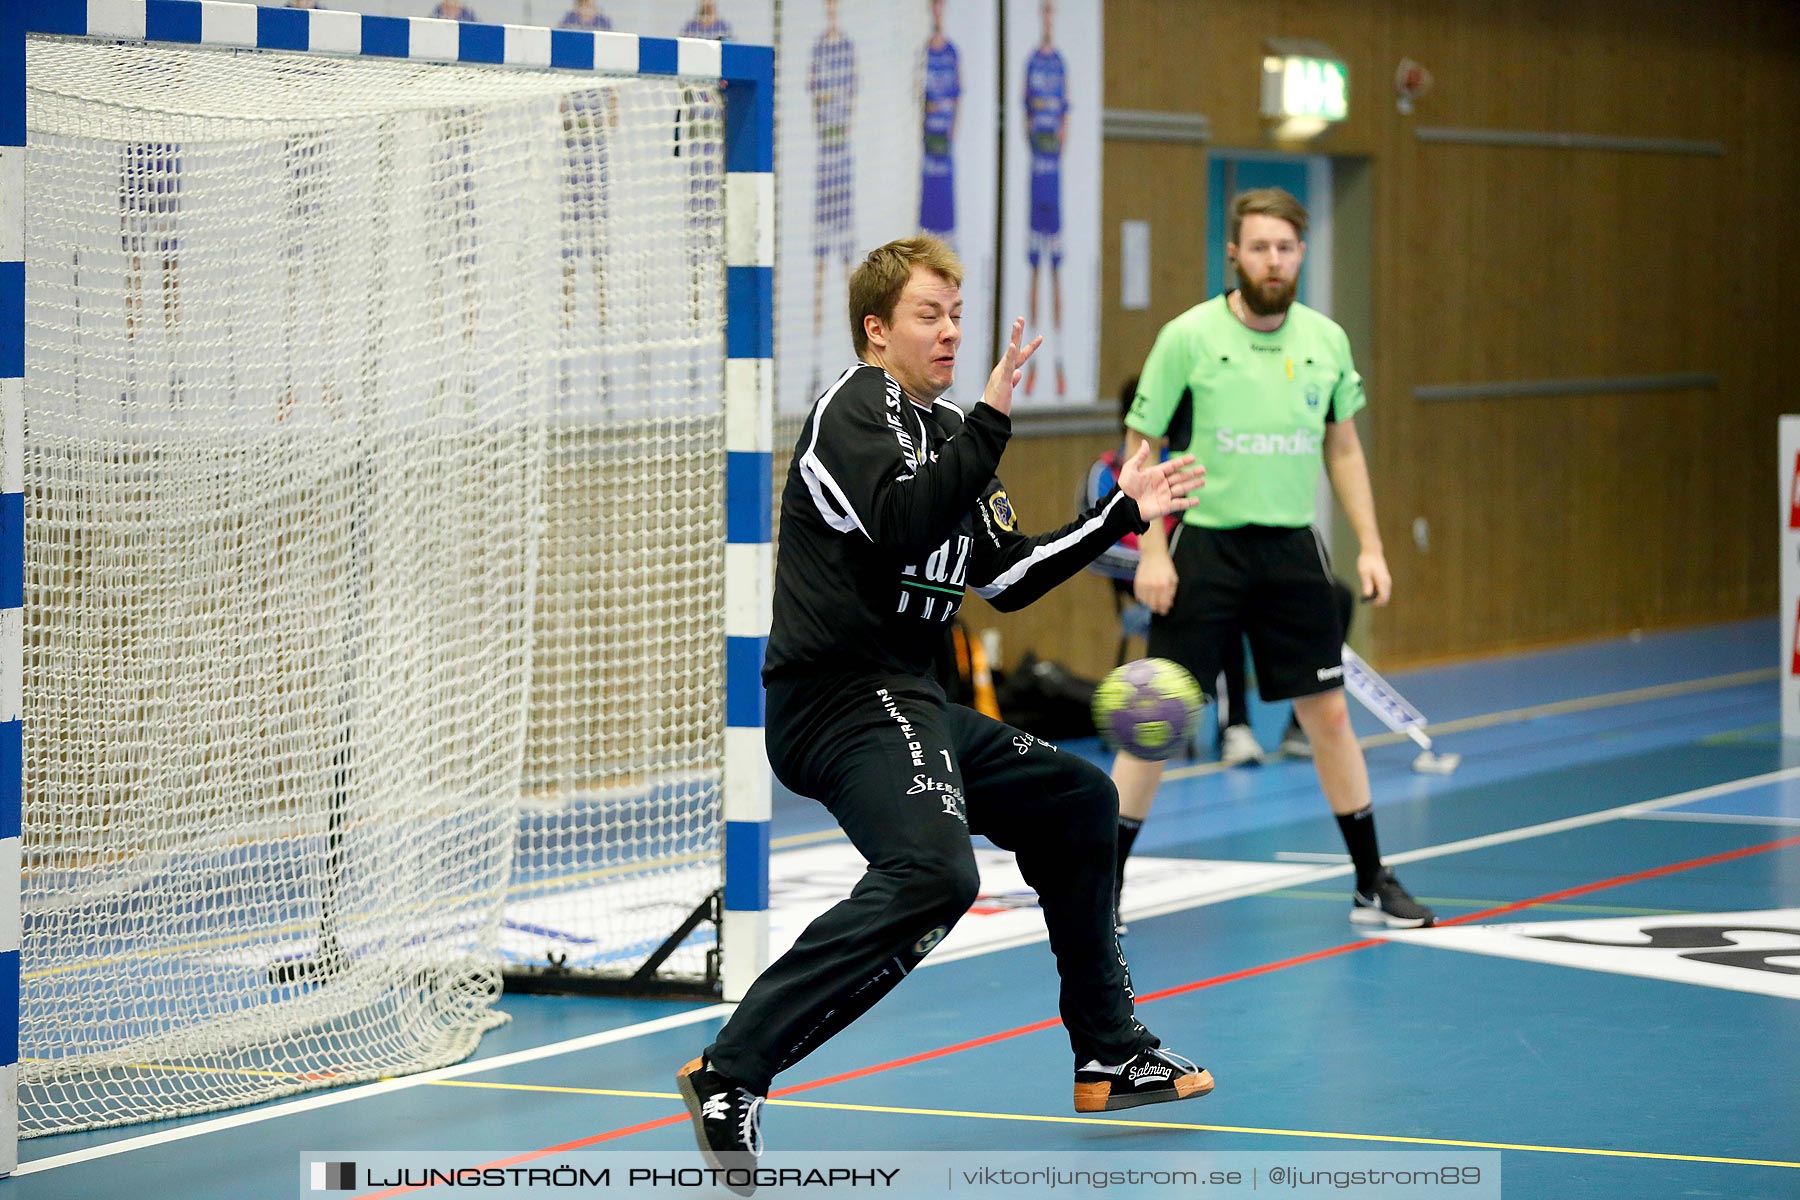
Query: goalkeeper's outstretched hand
x: 1008, y: 370
x: 1161, y: 488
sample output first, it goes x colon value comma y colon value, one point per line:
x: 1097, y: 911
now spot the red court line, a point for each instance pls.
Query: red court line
x: 1181, y: 990
x: 1635, y: 877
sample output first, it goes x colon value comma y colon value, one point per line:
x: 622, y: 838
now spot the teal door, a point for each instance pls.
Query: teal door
x: 1227, y: 174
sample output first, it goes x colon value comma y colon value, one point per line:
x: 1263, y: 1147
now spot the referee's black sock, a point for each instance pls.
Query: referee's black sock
x: 1358, y: 829
x: 1128, y: 831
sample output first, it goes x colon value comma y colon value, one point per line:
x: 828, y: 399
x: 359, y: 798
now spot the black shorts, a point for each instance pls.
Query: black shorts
x: 1272, y: 585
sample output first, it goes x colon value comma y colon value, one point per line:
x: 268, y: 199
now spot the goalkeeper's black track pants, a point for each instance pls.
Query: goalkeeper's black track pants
x: 909, y: 777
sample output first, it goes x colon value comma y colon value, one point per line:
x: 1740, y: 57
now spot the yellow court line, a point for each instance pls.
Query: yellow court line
x: 1114, y: 1121
x: 545, y: 1087
x: 1730, y: 736
x: 806, y: 839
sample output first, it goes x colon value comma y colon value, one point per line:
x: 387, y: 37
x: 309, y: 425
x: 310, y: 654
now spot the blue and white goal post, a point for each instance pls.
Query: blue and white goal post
x: 748, y: 75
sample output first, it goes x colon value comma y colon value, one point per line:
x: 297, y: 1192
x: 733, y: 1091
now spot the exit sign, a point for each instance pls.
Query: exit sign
x: 1304, y: 87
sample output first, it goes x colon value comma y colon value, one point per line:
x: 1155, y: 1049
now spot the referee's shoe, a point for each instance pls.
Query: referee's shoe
x: 1388, y: 904
x: 1147, y: 1077
x: 727, y: 1123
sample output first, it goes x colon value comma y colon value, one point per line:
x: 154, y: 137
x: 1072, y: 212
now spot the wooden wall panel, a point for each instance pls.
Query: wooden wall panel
x: 1557, y: 517
x: 1074, y: 624
x: 1150, y: 182
x: 1552, y: 518
x: 1562, y: 517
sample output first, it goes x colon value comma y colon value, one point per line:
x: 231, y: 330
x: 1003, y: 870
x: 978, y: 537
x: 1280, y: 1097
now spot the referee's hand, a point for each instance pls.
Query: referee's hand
x: 1377, y: 584
x: 1154, y: 584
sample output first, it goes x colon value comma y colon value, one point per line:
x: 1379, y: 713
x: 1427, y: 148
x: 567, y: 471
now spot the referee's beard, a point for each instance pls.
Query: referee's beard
x: 1269, y: 299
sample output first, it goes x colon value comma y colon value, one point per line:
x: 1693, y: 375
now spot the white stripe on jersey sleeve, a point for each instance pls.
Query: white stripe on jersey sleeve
x: 834, y: 507
x: 1023, y: 567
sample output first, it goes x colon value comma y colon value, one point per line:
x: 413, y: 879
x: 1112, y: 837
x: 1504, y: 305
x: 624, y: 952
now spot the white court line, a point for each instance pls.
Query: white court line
x: 1561, y: 708
x: 678, y: 1020
x: 1512, y: 716
x: 1595, y: 818
x: 1715, y: 818
x: 1524, y: 833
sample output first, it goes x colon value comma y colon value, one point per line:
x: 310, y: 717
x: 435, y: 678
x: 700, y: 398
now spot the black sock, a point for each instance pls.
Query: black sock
x: 1358, y: 829
x: 1128, y: 831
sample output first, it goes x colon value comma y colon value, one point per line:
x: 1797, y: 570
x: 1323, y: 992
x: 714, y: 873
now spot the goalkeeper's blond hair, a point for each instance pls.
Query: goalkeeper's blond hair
x: 876, y: 284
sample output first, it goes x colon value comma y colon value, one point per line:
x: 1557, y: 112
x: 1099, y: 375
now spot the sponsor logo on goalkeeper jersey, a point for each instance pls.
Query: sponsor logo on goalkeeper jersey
x: 1298, y: 444
x: 896, y: 406
x: 934, y: 592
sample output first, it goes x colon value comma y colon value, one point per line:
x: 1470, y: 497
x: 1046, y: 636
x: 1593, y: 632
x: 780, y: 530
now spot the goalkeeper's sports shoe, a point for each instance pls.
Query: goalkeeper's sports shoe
x: 1147, y: 1077
x: 1390, y: 905
x: 727, y: 1123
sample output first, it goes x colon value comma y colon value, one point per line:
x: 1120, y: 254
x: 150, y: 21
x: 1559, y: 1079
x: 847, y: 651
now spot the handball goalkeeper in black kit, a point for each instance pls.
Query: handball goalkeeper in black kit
x: 890, y: 511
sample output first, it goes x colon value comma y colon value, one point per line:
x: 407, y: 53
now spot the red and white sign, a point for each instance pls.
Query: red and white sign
x: 1794, y: 497
x: 1788, y: 473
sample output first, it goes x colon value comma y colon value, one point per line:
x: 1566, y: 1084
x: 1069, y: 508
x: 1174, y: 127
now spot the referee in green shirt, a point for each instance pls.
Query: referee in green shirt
x: 1260, y: 390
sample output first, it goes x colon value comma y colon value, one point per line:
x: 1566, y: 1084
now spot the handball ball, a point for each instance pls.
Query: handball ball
x: 1147, y: 708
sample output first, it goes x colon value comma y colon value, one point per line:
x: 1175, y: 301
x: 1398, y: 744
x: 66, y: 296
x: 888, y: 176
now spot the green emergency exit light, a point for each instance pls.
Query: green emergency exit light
x: 1305, y: 89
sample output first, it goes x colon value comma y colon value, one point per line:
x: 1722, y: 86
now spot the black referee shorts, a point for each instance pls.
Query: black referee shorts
x: 1273, y: 585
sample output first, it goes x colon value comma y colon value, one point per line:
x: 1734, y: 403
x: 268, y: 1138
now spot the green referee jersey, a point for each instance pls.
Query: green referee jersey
x: 1255, y: 404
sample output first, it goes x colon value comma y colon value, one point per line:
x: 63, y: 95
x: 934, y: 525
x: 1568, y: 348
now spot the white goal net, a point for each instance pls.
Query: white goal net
x: 374, y: 533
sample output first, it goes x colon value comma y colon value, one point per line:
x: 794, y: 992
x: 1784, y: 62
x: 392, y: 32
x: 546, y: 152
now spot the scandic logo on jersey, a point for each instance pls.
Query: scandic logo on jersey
x: 1301, y: 442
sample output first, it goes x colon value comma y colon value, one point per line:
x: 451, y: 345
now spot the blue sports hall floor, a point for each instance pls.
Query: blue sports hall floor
x: 1584, y: 1011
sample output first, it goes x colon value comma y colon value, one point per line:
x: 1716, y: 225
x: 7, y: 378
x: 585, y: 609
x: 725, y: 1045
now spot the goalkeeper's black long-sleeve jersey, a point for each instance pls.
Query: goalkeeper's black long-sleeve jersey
x: 889, y: 513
